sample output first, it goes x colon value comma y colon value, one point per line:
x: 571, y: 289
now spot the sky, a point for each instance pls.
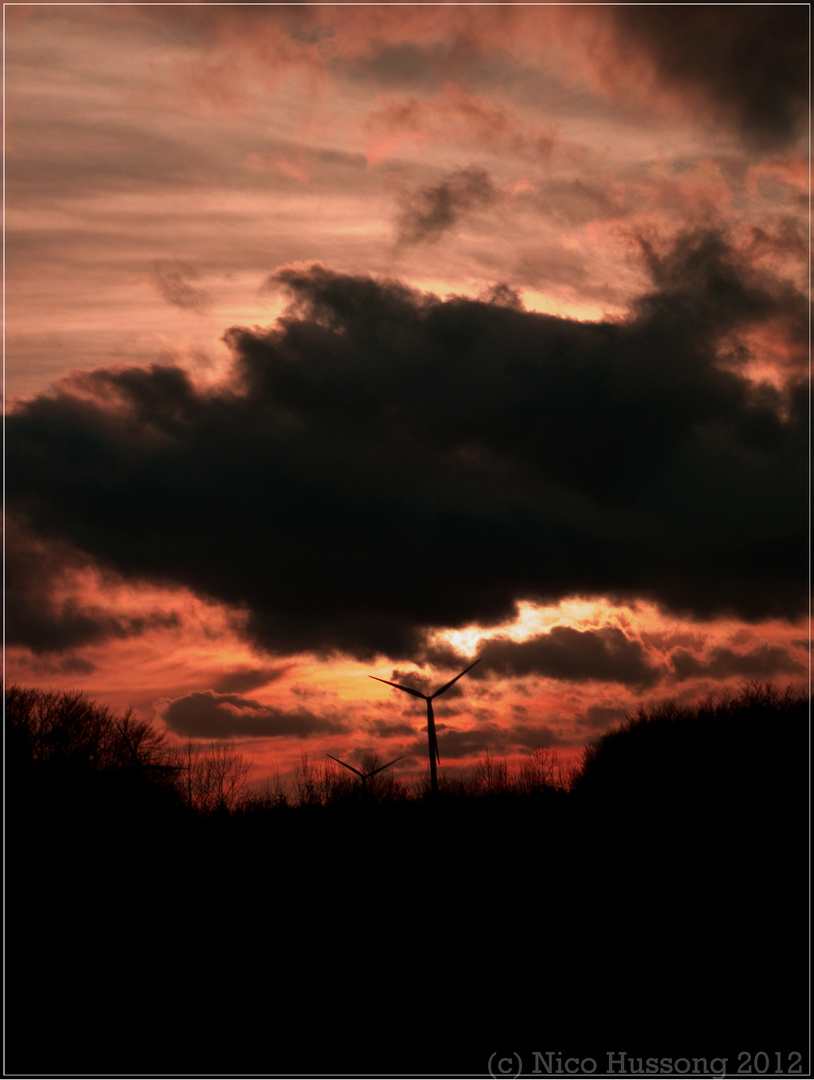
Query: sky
x: 368, y: 340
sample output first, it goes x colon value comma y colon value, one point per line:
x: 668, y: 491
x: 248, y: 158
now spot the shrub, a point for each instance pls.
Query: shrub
x: 742, y: 743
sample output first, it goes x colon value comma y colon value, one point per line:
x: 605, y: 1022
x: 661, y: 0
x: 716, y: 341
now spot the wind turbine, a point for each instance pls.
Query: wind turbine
x: 433, y: 741
x: 365, y: 776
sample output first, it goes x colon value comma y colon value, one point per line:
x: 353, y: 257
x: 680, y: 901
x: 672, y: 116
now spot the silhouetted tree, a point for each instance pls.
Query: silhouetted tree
x: 66, y: 731
x: 68, y: 757
x: 309, y: 783
x: 492, y: 774
x: 210, y: 778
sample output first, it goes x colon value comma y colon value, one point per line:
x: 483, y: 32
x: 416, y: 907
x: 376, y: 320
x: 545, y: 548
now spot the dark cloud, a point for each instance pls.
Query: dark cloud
x: 574, y: 201
x: 390, y: 729
x: 50, y: 664
x: 502, y: 295
x: 76, y: 665
x: 244, y: 679
x: 605, y: 655
x: 42, y: 617
x: 704, y: 286
x: 383, y: 462
x: 749, y: 63
x: 174, y: 281
x: 209, y: 715
x: 462, y: 61
x: 431, y: 211
x: 601, y: 717
x: 489, y: 735
x: 762, y: 662
x: 468, y: 742
x: 531, y: 736
x: 784, y: 236
x: 115, y: 156
x: 552, y: 265
x: 403, y: 64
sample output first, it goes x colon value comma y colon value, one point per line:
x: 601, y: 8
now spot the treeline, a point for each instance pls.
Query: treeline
x: 324, y: 783
x: 750, y: 744
x: 64, y: 749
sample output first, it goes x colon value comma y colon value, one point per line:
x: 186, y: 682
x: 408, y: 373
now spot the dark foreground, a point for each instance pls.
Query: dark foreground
x: 420, y: 942
x: 662, y: 918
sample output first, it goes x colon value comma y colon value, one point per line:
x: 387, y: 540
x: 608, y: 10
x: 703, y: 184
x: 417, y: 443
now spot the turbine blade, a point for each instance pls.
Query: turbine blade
x: 346, y: 765
x: 438, y: 693
x: 387, y: 766
x: 406, y: 689
x: 435, y: 743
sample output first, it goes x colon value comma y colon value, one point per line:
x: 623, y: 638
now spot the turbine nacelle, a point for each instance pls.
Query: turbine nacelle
x: 365, y: 775
x: 417, y: 693
x: 429, y: 698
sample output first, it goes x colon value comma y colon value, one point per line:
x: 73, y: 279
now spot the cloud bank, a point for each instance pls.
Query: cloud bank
x: 382, y: 463
x: 604, y: 655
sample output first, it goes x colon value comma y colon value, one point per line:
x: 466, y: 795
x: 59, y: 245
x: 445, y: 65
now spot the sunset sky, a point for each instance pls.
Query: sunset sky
x: 346, y: 341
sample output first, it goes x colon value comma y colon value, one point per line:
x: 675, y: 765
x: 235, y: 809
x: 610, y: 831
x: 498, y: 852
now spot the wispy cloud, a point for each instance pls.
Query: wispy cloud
x: 428, y: 213
x: 175, y: 281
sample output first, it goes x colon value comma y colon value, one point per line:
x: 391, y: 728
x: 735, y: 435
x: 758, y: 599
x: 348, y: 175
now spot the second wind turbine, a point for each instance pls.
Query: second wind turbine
x: 433, y: 741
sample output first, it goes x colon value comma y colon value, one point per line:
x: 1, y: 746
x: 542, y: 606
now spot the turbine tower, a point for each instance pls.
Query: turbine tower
x: 433, y: 741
